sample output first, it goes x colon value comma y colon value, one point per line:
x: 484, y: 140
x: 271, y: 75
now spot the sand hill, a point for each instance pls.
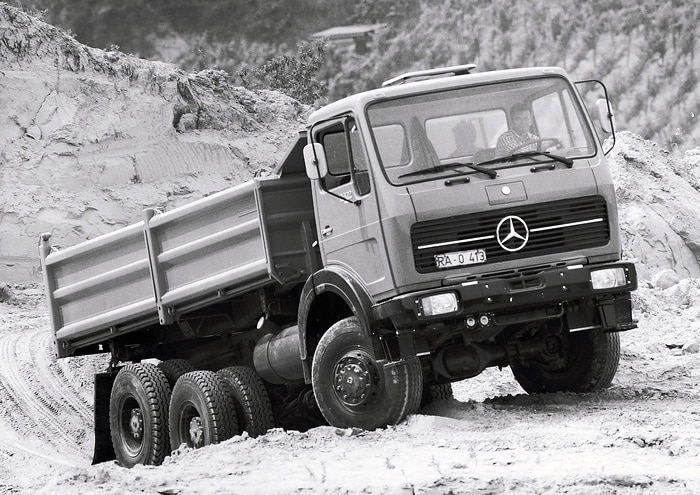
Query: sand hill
x: 89, y: 138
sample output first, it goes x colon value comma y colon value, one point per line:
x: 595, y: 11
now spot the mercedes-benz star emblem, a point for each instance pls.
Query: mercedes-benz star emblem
x: 512, y: 233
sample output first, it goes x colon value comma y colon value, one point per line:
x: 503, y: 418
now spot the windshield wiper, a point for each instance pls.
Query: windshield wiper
x: 561, y: 159
x: 447, y: 166
x: 531, y: 154
x: 491, y: 173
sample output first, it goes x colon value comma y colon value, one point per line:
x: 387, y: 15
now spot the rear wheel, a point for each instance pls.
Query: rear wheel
x: 201, y: 411
x: 175, y: 368
x: 253, y: 409
x: 138, y: 415
x: 589, y: 362
x: 353, y: 390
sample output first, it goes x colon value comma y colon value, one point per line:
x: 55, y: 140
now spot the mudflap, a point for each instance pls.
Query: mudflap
x: 104, y: 451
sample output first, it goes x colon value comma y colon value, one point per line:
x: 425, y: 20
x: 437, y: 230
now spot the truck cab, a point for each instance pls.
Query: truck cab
x: 458, y: 251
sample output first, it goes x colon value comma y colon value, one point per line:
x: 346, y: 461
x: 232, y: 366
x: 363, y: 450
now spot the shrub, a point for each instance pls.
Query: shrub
x: 294, y: 76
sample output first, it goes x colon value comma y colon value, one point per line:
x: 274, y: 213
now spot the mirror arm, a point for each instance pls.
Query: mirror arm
x: 313, y: 148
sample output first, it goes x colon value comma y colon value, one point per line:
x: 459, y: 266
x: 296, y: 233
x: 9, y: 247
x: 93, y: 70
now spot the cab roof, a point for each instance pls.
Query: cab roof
x: 436, y: 80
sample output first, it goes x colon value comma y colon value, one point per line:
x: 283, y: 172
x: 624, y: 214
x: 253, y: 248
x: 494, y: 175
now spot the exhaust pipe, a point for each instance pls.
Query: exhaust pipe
x: 277, y: 356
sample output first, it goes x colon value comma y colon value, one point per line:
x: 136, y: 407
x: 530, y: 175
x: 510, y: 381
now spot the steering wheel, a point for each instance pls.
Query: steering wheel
x: 556, y: 142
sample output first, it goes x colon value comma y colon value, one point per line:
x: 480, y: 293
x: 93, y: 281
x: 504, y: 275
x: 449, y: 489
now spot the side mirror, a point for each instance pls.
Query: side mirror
x: 605, y: 115
x: 315, y: 161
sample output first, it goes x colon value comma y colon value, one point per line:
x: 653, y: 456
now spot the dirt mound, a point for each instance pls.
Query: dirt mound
x: 89, y: 138
x: 659, y: 199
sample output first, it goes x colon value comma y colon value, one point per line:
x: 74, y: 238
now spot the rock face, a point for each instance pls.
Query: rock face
x: 90, y: 138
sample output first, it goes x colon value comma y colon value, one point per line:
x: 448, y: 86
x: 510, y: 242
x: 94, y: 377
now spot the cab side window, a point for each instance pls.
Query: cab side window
x: 336, y: 148
x: 346, y: 157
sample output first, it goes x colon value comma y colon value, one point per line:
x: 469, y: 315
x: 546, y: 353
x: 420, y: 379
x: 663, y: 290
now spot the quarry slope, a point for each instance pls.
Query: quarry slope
x: 90, y: 138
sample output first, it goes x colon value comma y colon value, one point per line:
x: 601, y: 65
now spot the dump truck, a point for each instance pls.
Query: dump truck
x: 398, y: 247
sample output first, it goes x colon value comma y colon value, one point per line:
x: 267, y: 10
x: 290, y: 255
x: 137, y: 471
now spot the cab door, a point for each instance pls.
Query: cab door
x: 347, y: 215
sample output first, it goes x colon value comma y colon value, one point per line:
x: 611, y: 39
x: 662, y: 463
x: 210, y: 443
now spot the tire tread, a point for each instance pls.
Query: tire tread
x: 599, y: 356
x: 251, y: 399
x: 157, y: 392
x: 407, y: 378
x: 208, y: 387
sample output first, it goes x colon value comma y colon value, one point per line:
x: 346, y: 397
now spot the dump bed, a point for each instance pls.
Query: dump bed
x: 149, y: 273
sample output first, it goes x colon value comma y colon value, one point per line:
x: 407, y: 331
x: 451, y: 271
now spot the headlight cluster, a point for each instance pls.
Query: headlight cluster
x: 439, y: 304
x: 608, y: 278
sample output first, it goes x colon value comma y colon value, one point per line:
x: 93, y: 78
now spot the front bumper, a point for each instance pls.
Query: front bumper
x: 505, y: 301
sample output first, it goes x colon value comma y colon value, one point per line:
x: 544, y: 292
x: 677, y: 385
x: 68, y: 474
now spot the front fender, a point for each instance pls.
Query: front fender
x: 348, y: 296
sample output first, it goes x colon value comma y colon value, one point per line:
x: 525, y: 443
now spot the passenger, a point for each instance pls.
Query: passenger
x: 519, y: 137
x: 464, y: 135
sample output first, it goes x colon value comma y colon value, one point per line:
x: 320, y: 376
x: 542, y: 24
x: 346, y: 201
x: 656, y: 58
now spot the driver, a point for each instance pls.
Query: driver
x: 519, y: 137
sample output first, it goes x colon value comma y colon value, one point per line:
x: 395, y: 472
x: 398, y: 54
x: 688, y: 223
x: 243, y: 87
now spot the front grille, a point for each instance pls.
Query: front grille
x: 553, y: 227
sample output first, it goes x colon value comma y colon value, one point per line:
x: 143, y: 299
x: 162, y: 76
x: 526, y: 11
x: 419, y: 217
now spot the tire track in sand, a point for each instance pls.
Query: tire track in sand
x: 43, y: 416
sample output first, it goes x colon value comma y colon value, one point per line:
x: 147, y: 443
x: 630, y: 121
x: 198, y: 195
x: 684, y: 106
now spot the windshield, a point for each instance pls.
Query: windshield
x: 426, y: 137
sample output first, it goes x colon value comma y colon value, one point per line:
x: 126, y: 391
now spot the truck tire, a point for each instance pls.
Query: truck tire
x: 201, y: 411
x: 431, y: 393
x: 592, y: 358
x: 253, y: 408
x: 138, y: 415
x: 353, y: 390
x: 175, y: 368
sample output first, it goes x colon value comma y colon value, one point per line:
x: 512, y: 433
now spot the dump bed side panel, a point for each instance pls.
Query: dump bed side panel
x: 149, y: 272
x: 202, y: 248
x: 98, y: 284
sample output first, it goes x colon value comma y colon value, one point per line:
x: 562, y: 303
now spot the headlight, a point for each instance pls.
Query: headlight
x: 439, y: 304
x: 608, y: 278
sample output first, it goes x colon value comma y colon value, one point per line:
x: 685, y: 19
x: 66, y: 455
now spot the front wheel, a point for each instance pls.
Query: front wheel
x: 590, y: 360
x: 432, y: 393
x: 353, y: 390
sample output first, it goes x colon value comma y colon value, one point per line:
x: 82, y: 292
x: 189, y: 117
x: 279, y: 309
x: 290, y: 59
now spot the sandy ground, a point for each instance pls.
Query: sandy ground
x: 640, y: 436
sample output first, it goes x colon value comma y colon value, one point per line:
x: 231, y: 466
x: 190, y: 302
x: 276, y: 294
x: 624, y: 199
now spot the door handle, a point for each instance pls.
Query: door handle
x: 327, y: 230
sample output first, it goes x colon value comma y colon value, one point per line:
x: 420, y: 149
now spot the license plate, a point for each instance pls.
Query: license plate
x: 460, y: 258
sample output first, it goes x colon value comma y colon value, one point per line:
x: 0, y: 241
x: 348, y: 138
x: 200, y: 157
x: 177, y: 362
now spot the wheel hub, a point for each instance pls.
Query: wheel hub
x: 196, y: 432
x: 136, y: 423
x: 354, y: 378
